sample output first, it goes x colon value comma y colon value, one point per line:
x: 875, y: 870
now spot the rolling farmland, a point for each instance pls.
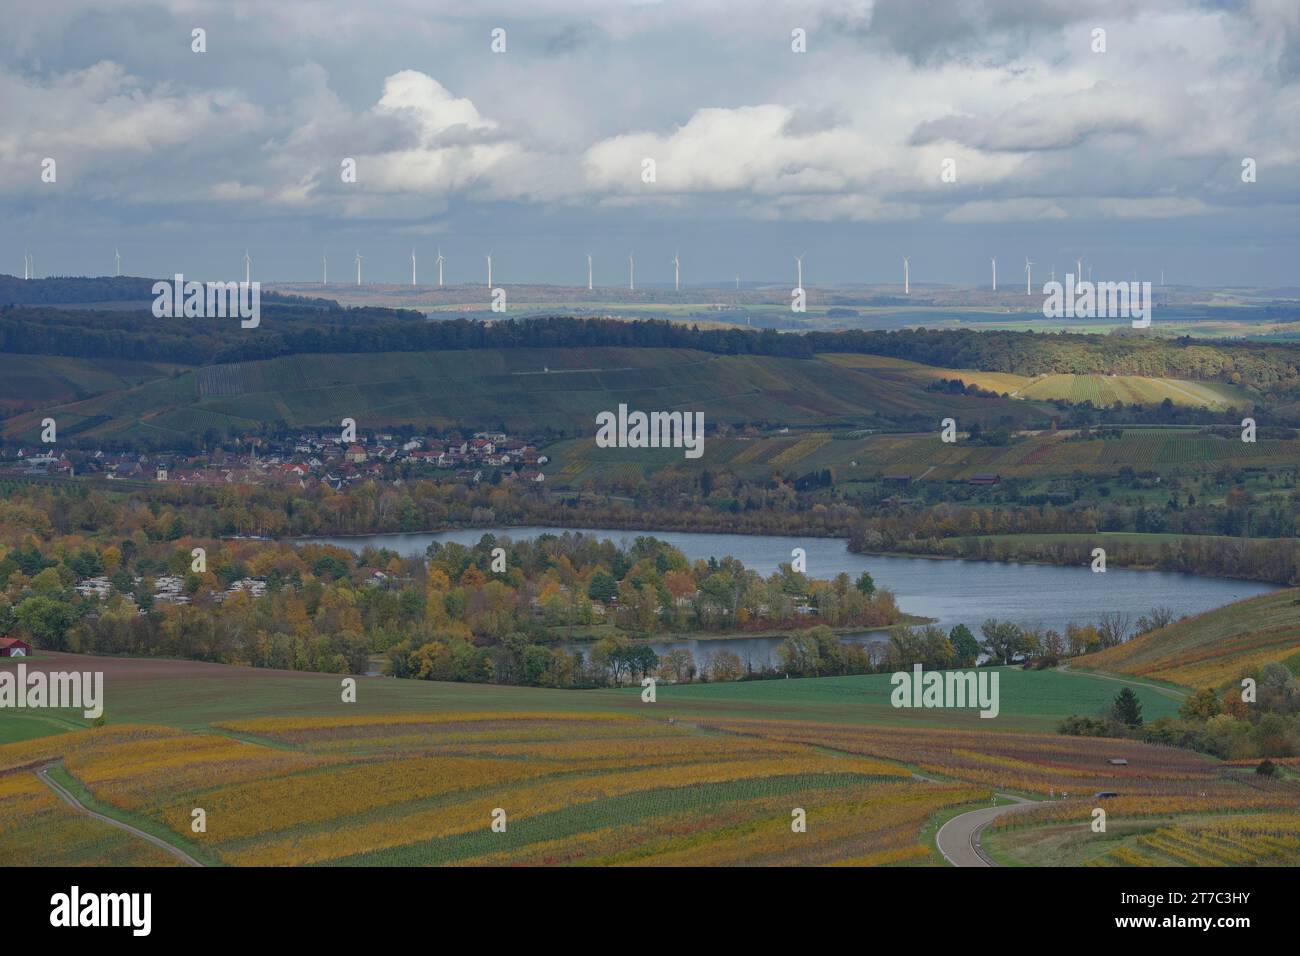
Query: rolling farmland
x: 415, y: 771
x: 38, y: 381
x: 527, y: 390
x: 1097, y: 389
x: 1164, y: 450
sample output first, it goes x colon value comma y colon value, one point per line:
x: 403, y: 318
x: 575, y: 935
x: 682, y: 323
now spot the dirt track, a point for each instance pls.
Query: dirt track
x: 44, y: 775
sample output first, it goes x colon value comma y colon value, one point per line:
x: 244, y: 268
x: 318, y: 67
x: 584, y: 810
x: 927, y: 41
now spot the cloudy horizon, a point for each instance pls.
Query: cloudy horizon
x: 1130, y: 159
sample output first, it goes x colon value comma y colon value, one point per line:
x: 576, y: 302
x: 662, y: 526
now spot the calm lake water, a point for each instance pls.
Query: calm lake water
x: 952, y: 592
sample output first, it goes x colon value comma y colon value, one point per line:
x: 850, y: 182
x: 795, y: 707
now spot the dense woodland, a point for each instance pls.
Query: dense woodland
x: 491, y: 612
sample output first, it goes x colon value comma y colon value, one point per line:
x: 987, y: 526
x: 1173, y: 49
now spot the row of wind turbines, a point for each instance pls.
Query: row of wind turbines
x: 677, y: 271
x: 441, y: 261
x: 29, y: 270
x: 29, y: 264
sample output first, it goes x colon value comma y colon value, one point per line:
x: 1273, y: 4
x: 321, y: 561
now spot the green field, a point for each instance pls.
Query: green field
x: 192, y: 695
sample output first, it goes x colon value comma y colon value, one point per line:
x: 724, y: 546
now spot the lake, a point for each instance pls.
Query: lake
x: 952, y: 592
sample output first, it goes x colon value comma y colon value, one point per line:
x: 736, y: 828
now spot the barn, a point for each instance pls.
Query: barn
x: 12, y: 647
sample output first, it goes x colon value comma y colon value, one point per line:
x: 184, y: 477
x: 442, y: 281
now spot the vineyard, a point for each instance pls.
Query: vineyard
x: 1213, y: 648
x: 1166, y: 451
x: 420, y: 788
x: 418, y: 772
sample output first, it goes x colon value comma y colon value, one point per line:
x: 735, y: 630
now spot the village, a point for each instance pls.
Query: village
x: 303, y: 459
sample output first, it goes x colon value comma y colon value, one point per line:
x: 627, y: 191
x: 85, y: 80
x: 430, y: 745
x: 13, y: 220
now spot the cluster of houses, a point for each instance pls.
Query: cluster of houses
x: 304, y: 460
x: 168, y: 589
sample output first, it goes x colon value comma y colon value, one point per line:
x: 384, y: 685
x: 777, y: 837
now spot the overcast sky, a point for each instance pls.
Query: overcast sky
x: 1129, y: 158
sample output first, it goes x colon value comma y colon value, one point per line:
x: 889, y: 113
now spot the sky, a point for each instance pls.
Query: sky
x: 948, y: 132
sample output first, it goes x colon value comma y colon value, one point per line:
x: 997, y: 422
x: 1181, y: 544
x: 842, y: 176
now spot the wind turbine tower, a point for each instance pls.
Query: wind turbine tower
x: 907, y: 288
x: 358, y: 268
x: 117, y: 263
x: 677, y: 273
x: 589, y: 272
x: 248, y: 268
x: 798, y: 264
x: 324, y: 269
x: 27, y: 269
x: 441, y: 259
x: 488, y: 257
x: 994, y: 260
x: 631, y: 273
x: 412, y: 267
x: 1028, y: 275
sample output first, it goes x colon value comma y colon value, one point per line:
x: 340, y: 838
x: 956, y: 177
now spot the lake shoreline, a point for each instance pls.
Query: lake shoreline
x: 946, y: 590
x: 906, y: 620
x: 503, y: 529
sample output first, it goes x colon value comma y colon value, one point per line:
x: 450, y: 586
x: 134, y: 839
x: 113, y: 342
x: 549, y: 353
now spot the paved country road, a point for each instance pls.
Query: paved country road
x: 958, y: 839
x: 44, y: 775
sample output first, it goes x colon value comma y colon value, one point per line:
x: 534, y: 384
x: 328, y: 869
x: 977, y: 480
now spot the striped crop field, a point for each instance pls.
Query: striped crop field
x: 1033, y: 763
x: 37, y: 827
x: 411, y: 788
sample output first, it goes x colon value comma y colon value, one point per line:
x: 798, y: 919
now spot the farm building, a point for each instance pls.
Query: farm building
x: 985, y: 478
x: 1118, y: 762
x: 12, y: 647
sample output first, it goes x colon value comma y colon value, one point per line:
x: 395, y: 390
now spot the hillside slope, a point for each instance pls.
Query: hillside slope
x: 1100, y: 390
x: 1212, y: 648
x: 529, y: 390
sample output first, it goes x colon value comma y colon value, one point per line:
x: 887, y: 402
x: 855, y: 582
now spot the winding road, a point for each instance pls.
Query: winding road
x: 43, y: 774
x: 959, y: 839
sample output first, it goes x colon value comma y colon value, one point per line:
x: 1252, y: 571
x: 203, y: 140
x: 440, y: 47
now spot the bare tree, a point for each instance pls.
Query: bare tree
x: 1115, y: 627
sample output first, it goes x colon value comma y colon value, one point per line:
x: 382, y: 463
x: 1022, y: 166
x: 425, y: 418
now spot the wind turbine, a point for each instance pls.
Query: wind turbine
x: 631, y: 272
x: 358, y: 268
x: 441, y: 259
x: 248, y: 268
x: 677, y: 273
x: 907, y: 289
x: 27, y: 273
x: 324, y: 269
x: 589, y: 272
x: 1078, y: 269
x: 412, y: 267
x: 1028, y: 275
x: 798, y: 264
x: 117, y: 259
x: 488, y: 257
x: 994, y: 260
x: 737, y: 281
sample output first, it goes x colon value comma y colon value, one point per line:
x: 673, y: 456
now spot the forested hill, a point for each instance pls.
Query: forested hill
x: 78, y: 290
x: 310, y: 326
